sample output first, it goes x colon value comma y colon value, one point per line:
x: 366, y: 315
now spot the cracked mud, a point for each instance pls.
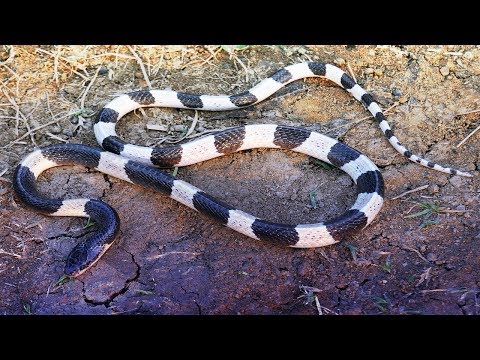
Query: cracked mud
x: 168, y: 259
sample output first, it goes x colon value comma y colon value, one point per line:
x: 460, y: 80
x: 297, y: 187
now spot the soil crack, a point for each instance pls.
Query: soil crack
x: 115, y: 294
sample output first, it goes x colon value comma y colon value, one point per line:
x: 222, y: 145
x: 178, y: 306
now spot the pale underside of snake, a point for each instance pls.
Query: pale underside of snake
x: 139, y: 165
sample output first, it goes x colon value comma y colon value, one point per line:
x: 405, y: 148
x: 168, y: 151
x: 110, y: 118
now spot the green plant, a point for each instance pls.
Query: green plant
x: 388, y: 264
x: 88, y: 223
x: 380, y: 303
x: 427, y: 210
x: 322, y: 164
x: 27, y: 309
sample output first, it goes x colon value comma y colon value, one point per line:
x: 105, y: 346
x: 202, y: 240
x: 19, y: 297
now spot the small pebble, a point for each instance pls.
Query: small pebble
x: 342, y: 285
x: 74, y: 120
x: 456, y: 181
x: 339, y: 61
x: 460, y: 207
x: 103, y: 71
x: 396, y: 92
x: 368, y: 71
x: 444, y: 70
x: 433, y: 189
x: 468, y: 55
x: 431, y: 257
x: 56, y: 129
x: 378, y: 72
x: 68, y: 132
x: 179, y: 127
x: 3, y: 191
x: 402, y: 99
x: 449, y: 266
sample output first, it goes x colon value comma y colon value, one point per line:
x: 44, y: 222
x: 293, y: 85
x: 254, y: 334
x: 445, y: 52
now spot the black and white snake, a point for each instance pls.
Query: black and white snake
x: 132, y: 163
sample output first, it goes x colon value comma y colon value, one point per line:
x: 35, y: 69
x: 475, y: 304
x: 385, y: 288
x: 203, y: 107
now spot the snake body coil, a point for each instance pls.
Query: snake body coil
x: 132, y: 163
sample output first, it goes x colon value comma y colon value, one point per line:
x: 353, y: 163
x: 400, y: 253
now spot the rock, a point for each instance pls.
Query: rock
x: 431, y: 257
x: 433, y: 189
x: 339, y: 61
x: 103, y: 71
x: 456, y: 181
x: 56, y: 129
x: 460, y: 207
x: 368, y: 71
x: 403, y: 99
x: 378, y: 72
x: 178, y: 127
x: 396, y: 92
x: 342, y: 285
x: 444, y: 70
x: 449, y: 266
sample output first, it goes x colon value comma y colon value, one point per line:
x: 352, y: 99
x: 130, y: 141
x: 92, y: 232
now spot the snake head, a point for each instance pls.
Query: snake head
x: 83, y: 256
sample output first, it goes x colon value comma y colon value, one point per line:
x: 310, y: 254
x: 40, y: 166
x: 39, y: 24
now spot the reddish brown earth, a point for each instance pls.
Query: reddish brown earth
x: 169, y: 259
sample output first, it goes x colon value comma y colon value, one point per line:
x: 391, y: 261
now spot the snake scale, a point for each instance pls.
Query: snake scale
x: 140, y: 165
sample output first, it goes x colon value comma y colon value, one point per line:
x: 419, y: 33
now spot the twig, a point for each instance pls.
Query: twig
x: 446, y: 290
x: 156, y: 68
x: 82, y: 102
x: 454, y: 53
x: 33, y: 130
x: 18, y: 103
x: 15, y: 75
x: 48, y: 105
x: 18, y: 112
x: 66, y: 61
x: 112, y: 54
x: 468, y: 112
x: 56, y: 137
x: 34, y: 224
x: 142, y: 67
x: 292, y: 92
x: 11, y: 71
x: 410, y: 191
x: 416, y: 252
x: 452, y: 211
x: 157, y: 127
x: 468, y: 136
x: 11, y: 55
x: 3, y: 171
x: 212, y: 56
x: 204, y: 132
x: 354, y: 122
x: 3, y: 252
x: 319, y: 307
x: 190, y: 130
x: 351, y: 71
x: 55, y: 64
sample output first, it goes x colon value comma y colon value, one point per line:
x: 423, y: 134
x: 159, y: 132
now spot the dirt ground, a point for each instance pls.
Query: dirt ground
x: 169, y: 259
